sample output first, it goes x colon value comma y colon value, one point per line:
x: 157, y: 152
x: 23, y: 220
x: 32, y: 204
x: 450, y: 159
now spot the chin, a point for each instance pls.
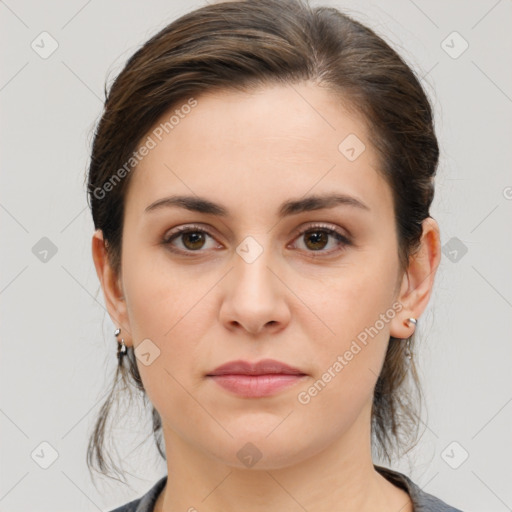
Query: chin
x: 257, y: 450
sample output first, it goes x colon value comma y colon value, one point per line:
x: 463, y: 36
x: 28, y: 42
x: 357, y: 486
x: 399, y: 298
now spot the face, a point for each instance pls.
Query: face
x: 313, y: 288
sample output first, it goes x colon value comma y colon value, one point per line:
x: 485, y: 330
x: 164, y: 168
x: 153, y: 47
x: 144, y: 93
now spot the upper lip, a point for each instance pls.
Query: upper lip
x: 263, y: 367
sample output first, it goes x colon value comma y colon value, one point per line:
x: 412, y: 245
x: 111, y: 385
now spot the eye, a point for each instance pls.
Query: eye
x: 317, y: 236
x: 192, y: 239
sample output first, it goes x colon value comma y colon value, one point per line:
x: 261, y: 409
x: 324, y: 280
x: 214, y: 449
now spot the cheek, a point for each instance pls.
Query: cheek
x: 171, y: 306
x: 160, y: 295
x: 350, y: 300
x: 347, y: 363
x: 355, y: 310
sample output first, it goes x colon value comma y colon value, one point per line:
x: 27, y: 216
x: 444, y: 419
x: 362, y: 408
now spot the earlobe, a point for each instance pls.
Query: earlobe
x: 418, y: 281
x: 110, y: 284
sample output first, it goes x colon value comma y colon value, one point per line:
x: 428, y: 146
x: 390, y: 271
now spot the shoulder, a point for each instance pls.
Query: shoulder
x: 146, y: 502
x: 422, y: 501
x: 128, y: 507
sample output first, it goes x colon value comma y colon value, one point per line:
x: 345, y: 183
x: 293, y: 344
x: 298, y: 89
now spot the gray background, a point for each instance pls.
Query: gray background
x: 58, y: 348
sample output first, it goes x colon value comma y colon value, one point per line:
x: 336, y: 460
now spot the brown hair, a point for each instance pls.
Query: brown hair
x: 242, y: 45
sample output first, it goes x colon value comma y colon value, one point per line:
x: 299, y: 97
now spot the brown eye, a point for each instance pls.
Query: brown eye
x: 192, y: 239
x: 317, y: 238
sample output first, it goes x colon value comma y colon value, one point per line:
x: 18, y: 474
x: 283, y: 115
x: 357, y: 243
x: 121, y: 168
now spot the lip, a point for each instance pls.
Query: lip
x: 253, y: 380
x: 263, y: 367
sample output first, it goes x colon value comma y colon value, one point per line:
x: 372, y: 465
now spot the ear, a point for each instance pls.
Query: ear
x: 111, y: 286
x: 418, y: 280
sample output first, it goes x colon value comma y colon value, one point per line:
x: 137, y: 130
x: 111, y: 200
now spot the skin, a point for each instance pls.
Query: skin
x: 294, y: 303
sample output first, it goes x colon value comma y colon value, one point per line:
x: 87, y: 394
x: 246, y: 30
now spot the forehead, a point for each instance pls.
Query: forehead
x: 251, y: 149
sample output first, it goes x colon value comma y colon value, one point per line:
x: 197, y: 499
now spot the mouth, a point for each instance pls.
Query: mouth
x: 256, y: 380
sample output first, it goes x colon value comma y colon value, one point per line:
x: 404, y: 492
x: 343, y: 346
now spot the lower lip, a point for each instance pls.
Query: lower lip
x: 256, y: 385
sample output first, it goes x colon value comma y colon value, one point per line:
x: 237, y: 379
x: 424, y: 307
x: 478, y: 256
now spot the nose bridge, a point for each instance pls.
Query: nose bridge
x: 253, y: 296
x: 253, y: 261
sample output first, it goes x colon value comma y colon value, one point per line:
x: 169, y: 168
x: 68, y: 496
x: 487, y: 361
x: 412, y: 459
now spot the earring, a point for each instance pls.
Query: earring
x: 121, y: 347
x: 408, y: 352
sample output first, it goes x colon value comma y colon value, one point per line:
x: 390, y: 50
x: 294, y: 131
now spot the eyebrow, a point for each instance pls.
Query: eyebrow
x: 290, y: 207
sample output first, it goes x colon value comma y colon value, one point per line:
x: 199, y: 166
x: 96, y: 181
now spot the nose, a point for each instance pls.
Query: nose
x: 254, y: 296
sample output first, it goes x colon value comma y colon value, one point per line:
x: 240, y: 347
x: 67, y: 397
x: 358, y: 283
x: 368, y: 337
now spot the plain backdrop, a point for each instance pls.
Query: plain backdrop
x: 57, y: 342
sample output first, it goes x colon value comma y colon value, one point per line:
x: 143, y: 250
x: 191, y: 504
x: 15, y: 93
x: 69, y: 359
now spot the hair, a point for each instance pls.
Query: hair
x: 243, y: 45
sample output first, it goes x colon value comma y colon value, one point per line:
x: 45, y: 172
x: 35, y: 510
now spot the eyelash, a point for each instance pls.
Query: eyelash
x: 344, y: 241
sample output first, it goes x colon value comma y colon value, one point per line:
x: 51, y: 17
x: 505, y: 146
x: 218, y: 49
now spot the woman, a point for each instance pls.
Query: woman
x: 260, y: 184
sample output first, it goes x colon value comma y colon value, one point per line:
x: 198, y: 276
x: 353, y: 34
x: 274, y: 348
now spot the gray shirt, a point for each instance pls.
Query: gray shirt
x: 422, y: 501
